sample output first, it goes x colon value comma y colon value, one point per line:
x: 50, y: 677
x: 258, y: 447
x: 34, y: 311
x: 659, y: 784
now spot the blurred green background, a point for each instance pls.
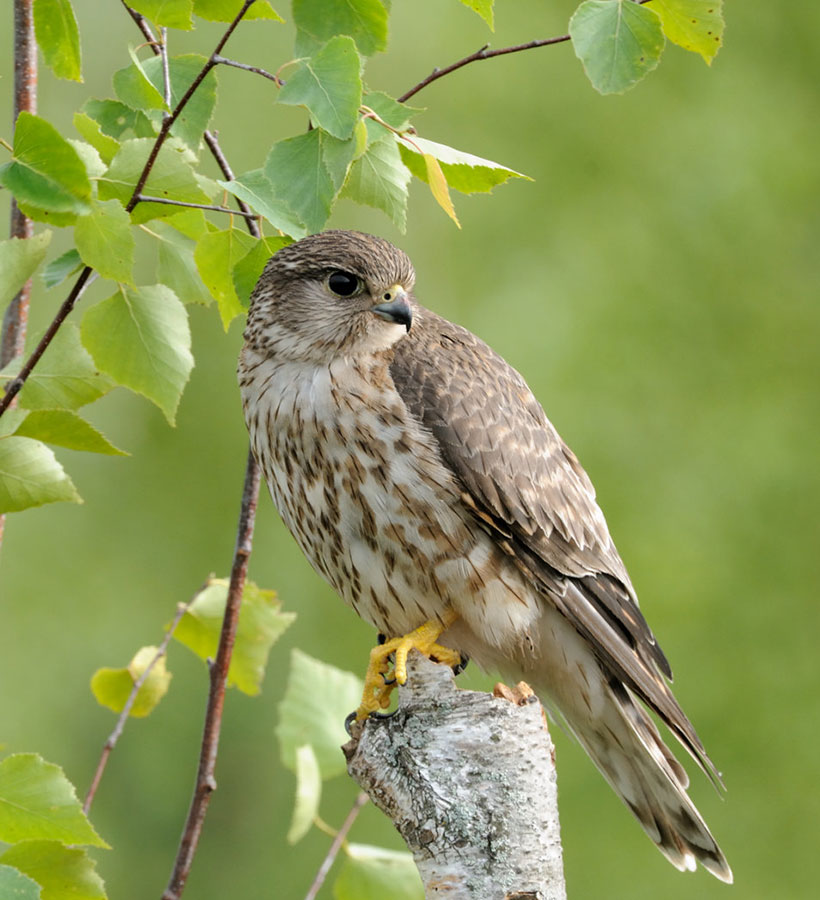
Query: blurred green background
x: 658, y: 287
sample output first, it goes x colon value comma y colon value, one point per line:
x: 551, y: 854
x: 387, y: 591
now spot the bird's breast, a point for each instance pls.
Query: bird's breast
x: 361, y: 486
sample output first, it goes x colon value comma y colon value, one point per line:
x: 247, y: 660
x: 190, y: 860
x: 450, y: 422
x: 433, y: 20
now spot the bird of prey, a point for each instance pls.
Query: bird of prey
x: 423, y: 480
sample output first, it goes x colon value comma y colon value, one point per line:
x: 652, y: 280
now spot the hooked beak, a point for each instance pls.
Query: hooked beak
x: 396, y: 307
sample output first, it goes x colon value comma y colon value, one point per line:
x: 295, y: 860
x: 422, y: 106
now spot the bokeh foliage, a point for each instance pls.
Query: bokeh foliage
x: 658, y: 286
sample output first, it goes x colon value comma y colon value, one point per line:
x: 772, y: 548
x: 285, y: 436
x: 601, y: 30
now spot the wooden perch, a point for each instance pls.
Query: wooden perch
x: 468, y: 779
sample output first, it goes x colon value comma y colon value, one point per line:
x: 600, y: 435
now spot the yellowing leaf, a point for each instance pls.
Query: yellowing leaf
x: 113, y: 687
x: 438, y: 186
x: 261, y: 624
x: 695, y: 25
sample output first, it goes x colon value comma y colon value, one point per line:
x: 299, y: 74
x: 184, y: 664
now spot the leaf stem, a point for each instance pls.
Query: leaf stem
x: 205, y: 781
x: 111, y: 742
x: 336, y: 846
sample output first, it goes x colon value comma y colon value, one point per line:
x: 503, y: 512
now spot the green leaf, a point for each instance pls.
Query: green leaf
x: 14, y: 885
x: 173, y: 13
x: 172, y: 177
x: 64, y: 873
x: 247, y: 271
x: 464, y: 172
x: 308, y: 793
x: 339, y: 155
x: 216, y: 253
x: 104, y: 240
x: 45, y: 169
x: 115, y: 118
x: 318, y: 21
x: 318, y: 698
x: 175, y: 263
x: 695, y: 25
x: 58, y: 37
x: 396, y: 114
x: 261, y: 624
x: 94, y: 166
x: 379, y: 178
x: 370, y: 873
x: 92, y: 132
x: 141, y: 338
x: 300, y: 178
x: 66, y: 429
x: 65, y: 377
x: 195, y: 116
x: 484, y: 8
x: 618, y: 41
x: 190, y: 222
x: 329, y: 85
x: 37, y: 802
x: 254, y: 188
x: 226, y: 10
x: 19, y: 257
x: 112, y: 687
x: 60, y: 268
x: 30, y: 476
x: 135, y: 88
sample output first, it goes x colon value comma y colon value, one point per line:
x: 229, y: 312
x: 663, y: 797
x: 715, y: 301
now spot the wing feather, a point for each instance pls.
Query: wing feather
x: 522, y: 481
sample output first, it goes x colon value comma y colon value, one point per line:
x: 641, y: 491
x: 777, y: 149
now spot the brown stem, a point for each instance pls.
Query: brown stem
x: 205, y: 781
x: 482, y: 53
x: 224, y: 61
x: 336, y: 846
x: 111, y: 742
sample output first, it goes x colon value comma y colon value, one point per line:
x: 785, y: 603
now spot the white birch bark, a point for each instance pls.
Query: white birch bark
x: 468, y: 779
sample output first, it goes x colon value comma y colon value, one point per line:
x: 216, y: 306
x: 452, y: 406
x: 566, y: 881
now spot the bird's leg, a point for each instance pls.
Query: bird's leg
x: 377, y: 688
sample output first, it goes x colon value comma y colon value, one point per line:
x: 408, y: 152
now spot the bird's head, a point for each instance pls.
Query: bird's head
x: 331, y: 294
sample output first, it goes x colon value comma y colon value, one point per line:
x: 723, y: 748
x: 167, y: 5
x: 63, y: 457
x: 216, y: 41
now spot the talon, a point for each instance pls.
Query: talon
x: 378, y: 687
x: 350, y: 718
x: 462, y: 665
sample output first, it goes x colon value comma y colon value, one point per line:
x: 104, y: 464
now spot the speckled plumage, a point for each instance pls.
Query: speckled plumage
x: 419, y: 474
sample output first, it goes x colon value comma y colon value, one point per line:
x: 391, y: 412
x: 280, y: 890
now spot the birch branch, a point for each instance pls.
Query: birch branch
x: 468, y: 779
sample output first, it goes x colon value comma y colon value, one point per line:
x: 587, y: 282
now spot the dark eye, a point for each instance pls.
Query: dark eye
x: 343, y: 283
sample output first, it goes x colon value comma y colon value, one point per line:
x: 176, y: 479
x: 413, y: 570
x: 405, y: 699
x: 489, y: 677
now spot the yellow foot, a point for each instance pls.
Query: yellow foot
x: 377, y: 688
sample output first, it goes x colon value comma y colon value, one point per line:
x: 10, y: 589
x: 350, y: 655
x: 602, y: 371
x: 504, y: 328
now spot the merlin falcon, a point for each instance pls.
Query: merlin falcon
x: 422, y: 479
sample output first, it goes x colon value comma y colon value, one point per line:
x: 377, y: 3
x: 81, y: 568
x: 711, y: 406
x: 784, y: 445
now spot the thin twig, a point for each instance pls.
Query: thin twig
x: 15, y: 320
x: 205, y: 781
x: 14, y: 386
x: 483, y: 53
x: 166, y: 73
x: 338, y: 841
x: 111, y: 742
x: 224, y: 61
x: 145, y: 198
x: 222, y: 162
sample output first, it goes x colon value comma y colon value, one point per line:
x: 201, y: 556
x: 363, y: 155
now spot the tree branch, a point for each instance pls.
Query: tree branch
x: 15, y: 320
x: 469, y: 782
x: 336, y: 846
x: 115, y: 735
x: 205, y: 782
x: 145, y: 198
x: 224, y: 61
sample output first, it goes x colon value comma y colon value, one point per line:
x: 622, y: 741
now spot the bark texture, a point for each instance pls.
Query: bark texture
x: 468, y: 779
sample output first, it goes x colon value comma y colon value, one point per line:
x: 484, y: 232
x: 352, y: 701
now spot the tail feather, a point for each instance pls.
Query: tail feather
x: 627, y: 749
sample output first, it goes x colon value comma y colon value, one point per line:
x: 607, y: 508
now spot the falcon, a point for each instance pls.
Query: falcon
x: 422, y: 479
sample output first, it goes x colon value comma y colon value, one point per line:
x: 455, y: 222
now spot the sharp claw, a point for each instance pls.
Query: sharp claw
x: 381, y: 638
x: 458, y: 669
x: 349, y: 720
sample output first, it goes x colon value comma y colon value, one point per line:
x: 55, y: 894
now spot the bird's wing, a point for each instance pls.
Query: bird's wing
x: 528, y: 488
